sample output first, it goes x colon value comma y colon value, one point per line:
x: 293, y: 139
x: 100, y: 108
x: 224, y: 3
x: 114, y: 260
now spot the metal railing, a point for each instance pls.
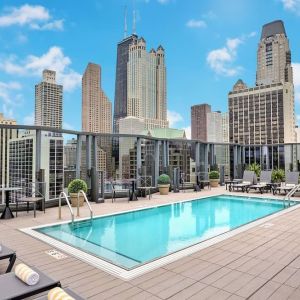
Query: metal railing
x: 86, y: 200
x: 63, y: 195
x: 288, y: 196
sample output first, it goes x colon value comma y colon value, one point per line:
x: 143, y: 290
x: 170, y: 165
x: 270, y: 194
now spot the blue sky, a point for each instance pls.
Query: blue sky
x: 209, y: 45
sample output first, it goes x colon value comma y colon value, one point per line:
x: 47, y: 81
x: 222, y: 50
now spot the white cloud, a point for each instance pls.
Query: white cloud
x: 34, y: 16
x: 9, y: 97
x: 174, y: 118
x: 29, y: 119
x: 221, y: 60
x: 33, y: 65
x: 291, y: 5
x: 188, y: 132
x: 196, y: 23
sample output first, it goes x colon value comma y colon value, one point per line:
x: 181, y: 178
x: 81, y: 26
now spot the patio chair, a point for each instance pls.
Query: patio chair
x: 248, y: 180
x: 10, y: 254
x: 30, y: 194
x: 291, y: 180
x: 204, y: 180
x: 68, y: 291
x: 264, y: 182
x: 144, y: 185
x: 11, y: 287
x: 117, y: 187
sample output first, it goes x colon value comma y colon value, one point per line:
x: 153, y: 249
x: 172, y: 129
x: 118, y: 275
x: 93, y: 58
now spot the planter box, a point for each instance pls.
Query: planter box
x: 74, y: 199
x: 214, y: 182
x: 164, y: 189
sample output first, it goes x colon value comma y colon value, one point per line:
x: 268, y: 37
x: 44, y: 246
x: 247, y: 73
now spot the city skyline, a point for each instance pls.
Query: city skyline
x: 195, y: 75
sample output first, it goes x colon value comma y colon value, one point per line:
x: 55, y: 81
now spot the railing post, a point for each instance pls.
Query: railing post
x: 235, y: 161
x: 197, y: 156
x: 156, y: 162
x: 165, y: 155
x: 205, y: 158
x: 78, y: 155
x: 138, y: 157
x: 88, y: 159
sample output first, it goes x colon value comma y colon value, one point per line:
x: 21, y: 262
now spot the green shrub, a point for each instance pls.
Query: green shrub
x: 77, y: 185
x: 278, y: 175
x: 163, y: 179
x: 255, y: 168
x: 214, y: 175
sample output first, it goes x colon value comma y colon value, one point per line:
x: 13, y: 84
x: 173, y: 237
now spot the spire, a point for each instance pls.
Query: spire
x: 125, y: 21
x: 134, y: 22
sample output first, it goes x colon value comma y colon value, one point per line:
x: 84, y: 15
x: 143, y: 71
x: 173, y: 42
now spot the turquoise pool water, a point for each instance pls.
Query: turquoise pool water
x: 134, y: 238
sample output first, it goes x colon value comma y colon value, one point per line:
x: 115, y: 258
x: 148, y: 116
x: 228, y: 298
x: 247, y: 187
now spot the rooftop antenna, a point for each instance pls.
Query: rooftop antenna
x: 125, y: 22
x: 134, y: 19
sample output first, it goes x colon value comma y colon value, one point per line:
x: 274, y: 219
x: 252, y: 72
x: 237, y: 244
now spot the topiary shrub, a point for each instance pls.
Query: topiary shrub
x: 214, y: 175
x: 278, y: 175
x: 77, y: 185
x: 163, y: 179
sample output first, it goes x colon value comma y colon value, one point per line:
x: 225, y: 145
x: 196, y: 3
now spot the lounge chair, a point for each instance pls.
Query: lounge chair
x: 10, y: 254
x: 291, y: 180
x: 248, y: 180
x: 144, y: 185
x: 118, y: 187
x: 264, y: 182
x: 11, y: 287
x: 68, y: 291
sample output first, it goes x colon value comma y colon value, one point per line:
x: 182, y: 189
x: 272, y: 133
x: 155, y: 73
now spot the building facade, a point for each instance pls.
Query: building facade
x: 21, y: 169
x: 199, y: 121
x: 5, y: 136
x: 97, y: 115
x: 49, y: 101
x: 140, y: 83
x: 70, y: 149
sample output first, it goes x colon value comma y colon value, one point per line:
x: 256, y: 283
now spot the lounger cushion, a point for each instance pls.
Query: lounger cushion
x: 289, y: 185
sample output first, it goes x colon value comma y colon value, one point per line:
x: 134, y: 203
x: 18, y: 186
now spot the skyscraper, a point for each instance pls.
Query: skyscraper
x: 97, y: 113
x: 140, y: 83
x: 273, y: 55
x: 96, y: 107
x: 48, y: 101
x: 199, y: 121
x: 264, y: 114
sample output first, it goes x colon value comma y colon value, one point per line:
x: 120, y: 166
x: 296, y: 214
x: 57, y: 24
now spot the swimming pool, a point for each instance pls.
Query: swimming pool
x: 134, y: 238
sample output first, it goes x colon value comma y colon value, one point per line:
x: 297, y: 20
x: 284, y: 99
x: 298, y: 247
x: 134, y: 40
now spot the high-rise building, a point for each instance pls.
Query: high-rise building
x: 48, y: 101
x: 21, y: 167
x: 265, y: 114
x: 273, y: 55
x: 5, y: 136
x: 199, y: 121
x: 140, y: 83
x: 70, y: 154
x: 97, y: 114
x: 96, y: 107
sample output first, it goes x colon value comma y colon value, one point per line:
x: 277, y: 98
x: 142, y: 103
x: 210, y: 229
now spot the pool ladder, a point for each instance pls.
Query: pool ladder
x: 63, y: 195
x: 292, y: 192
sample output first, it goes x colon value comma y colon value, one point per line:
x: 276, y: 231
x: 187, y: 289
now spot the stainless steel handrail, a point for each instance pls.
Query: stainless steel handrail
x: 86, y: 200
x: 63, y: 194
x: 291, y: 193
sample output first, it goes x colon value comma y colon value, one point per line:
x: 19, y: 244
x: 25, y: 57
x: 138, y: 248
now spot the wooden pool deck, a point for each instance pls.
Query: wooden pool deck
x: 260, y: 263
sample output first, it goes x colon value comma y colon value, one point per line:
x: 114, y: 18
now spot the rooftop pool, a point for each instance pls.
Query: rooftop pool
x: 133, y: 238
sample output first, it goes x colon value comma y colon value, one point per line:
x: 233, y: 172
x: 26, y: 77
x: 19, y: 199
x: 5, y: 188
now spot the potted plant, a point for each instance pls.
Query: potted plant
x: 163, y: 183
x: 214, y: 177
x: 74, y: 187
x: 278, y: 175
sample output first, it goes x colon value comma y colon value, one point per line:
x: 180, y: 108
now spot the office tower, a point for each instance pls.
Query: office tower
x: 48, y: 101
x: 5, y: 136
x: 97, y: 114
x: 199, y: 121
x: 96, y: 107
x: 21, y: 167
x: 273, y: 55
x: 264, y: 114
x: 128, y: 125
x: 140, y: 89
x: 70, y: 149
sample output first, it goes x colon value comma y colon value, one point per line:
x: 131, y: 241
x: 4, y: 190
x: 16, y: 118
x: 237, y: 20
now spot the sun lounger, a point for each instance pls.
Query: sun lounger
x: 248, y: 180
x: 11, y: 287
x: 68, y: 291
x: 264, y: 182
x: 291, y: 180
x: 10, y: 254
